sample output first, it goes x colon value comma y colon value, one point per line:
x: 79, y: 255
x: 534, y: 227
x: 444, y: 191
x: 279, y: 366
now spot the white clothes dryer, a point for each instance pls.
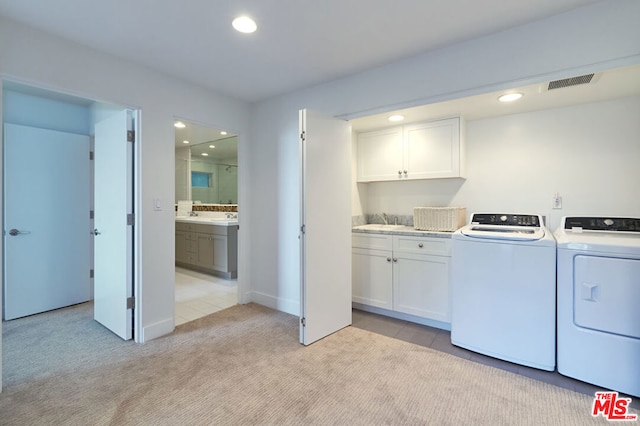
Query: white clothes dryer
x: 599, y: 301
x: 504, y: 289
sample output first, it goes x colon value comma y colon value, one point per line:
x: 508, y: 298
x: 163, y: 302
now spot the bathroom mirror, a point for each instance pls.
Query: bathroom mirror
x: 206, y: 164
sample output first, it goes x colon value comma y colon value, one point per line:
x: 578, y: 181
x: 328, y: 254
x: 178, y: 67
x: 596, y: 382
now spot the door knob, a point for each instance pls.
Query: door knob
x: 15, y: 232
x: 95, y: 232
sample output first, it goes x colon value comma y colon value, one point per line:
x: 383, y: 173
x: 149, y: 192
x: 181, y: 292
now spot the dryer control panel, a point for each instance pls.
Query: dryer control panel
x: 615, y: 224
x: 506, y: 219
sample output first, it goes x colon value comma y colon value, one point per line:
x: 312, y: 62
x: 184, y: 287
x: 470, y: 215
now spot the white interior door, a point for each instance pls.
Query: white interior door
x: 46, y: 220
x: 325, y: 161
x: 113, y: 240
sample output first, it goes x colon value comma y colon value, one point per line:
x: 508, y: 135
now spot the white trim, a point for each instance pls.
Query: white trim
x: 158, y: 329
x: 138, y: 294
x: 402, y: 316
x: 284, y: 305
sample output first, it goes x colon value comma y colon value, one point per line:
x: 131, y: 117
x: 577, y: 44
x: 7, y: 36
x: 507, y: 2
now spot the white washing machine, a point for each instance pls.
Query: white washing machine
x: 599, y: 301
x: 504, y: 289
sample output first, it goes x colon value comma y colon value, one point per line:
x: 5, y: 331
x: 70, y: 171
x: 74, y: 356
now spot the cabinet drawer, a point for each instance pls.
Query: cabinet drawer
x: 371, y: 241
x: 422, y: 245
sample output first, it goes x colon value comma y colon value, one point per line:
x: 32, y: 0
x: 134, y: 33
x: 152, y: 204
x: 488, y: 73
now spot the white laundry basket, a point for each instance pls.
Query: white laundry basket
x: 446, y: 219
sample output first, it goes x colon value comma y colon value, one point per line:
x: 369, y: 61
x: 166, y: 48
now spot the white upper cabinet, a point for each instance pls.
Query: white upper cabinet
x: 380, y: 154
x: 429, y: 150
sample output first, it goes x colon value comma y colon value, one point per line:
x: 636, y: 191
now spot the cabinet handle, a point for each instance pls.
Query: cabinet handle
x: 395, y: 259
x: 399, y: 172
x: 405, y: 172
x: 420, y: 245
x: 388, y: 259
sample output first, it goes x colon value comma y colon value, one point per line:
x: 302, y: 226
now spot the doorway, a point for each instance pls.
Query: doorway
x: 206, y: 206
x: 43, y: 127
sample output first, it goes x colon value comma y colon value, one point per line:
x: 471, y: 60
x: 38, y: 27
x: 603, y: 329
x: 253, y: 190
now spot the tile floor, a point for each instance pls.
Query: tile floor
x: 199, y: 294
x: 441, y: 340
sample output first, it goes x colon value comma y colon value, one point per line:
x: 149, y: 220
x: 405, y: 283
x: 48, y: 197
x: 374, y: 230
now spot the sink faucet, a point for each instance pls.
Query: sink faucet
x: 192, y: 214
x: 384, y: 218
x: 231, y: 216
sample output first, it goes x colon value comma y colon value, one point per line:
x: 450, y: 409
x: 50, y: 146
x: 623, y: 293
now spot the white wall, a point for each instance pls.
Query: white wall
x: 593, y: 38
x: 32, y: 57
x: 588, y: 153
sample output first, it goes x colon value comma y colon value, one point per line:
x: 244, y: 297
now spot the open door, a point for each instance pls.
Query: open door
x: 46, y: 251
x: 325, y: 231
x: 113, y: 222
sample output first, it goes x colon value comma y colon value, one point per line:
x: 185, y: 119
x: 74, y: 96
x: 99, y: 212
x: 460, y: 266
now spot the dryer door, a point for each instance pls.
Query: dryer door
x: 607, y: 294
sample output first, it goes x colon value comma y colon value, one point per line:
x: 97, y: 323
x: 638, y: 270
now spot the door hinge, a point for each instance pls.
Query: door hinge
x: 130, y: 219
x: 303, y: 228
x: 90, y: 273
x: 303, y: 136
x: 91, y: 214
x: 91, y: 155
x: 131, y: 136
x: 131, y: 302
x: 303, y: 321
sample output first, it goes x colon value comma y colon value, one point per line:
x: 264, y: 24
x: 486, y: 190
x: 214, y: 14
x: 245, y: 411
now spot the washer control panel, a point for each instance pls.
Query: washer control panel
x: 506, y: 219
x: 616, y: 224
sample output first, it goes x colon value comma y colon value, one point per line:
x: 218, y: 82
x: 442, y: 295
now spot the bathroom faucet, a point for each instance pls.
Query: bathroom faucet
x: 385, y: 218
x: 192, y: 214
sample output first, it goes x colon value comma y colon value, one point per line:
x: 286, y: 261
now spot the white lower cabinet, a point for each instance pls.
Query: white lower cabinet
x: 372, y: 278
x: 406, y: 274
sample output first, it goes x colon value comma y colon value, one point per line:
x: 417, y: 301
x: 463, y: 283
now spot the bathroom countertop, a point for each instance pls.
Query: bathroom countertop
x: 373, y: 228
x: 208, y: 220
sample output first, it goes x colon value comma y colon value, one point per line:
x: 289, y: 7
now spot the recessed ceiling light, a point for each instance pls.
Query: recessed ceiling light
x: 204, y: 154
x: 185, y: 141
x: 212, y: 146
x: 179, y: 125
x: 244, y: 24
x: 396, y: 117
x: 510, y: 97
x: 223, y: 133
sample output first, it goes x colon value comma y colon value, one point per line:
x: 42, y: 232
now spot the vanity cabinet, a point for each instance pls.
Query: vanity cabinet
x: 405, y: 274
x: 207, y: 248
x: 427, y: 150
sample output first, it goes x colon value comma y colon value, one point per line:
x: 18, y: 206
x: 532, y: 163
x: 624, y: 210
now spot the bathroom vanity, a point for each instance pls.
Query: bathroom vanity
x: 207, y: 245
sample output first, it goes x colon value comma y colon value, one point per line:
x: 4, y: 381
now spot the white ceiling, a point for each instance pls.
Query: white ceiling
x: 298, y: 43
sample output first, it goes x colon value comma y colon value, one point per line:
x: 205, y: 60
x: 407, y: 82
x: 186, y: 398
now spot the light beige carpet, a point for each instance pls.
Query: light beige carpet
x: 244, y: 365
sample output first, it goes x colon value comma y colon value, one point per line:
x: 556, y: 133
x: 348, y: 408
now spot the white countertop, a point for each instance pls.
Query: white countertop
x: 373, y: 228
x: 207, y: 220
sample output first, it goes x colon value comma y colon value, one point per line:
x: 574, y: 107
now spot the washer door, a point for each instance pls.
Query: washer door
x: 607, y: 294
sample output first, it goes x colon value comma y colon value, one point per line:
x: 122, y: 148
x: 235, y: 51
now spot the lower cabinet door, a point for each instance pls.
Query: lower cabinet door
x: 421, y: 285
x: 220, y: 250
x: 181, y: 246
x: 372, y: 274
x: 205, y: 251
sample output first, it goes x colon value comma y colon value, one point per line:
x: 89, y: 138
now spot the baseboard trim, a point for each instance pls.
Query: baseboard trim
x: 283, y: 305
x: 402, y: 316
x: 158, y: 329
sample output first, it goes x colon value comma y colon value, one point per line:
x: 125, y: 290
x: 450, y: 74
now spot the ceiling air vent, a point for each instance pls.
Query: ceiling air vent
x: 573, y: 81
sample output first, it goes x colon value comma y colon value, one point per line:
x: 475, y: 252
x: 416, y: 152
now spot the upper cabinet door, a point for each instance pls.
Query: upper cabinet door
x: 432, y: 149
x: 380, y: 155
x: 429, y: 150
